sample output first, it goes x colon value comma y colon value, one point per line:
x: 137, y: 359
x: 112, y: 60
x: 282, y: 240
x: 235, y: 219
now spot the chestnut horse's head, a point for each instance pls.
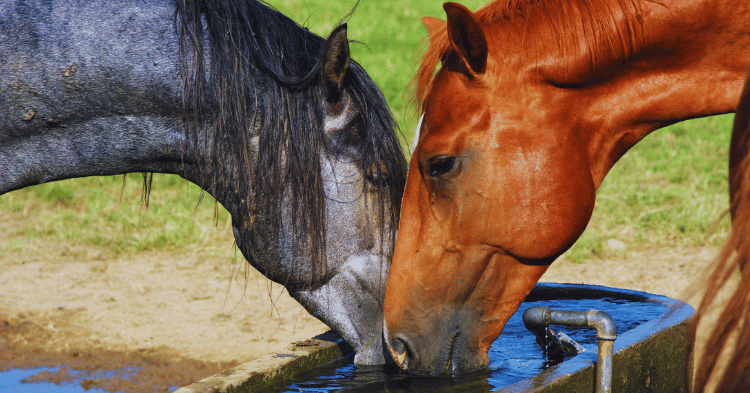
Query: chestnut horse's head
x: 533, y: 104
x: 498, y: 187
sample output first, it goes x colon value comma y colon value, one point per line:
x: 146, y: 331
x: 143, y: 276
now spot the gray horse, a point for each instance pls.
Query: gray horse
x: 277, y: 124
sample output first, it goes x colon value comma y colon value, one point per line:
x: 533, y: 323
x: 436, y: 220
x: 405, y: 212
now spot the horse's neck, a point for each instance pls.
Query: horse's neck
x: 691, y: 63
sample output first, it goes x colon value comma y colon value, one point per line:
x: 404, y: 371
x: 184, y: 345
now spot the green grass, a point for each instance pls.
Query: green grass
x: 108, y: 213
x: 670, y: 190
x: 389, y: 40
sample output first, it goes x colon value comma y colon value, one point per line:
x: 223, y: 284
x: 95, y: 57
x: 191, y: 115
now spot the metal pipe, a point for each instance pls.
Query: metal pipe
x: 537, y: 319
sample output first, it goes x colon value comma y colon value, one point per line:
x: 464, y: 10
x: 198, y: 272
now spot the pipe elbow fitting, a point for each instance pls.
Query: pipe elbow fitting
x: 603, y: 323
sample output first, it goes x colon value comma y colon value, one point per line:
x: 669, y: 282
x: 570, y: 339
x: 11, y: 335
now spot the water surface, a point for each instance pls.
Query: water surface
x: 514, y: 356
x: 17, y: 381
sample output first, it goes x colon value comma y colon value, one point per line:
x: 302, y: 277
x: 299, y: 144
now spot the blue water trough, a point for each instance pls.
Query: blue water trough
x: 649, y: 354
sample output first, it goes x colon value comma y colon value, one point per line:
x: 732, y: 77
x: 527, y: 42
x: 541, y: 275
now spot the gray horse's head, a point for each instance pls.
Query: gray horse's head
x: 314, y: 187
x: 288, y: 133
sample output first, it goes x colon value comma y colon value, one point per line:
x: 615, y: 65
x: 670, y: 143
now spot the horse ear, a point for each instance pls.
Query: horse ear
x: 466, y: 37
x: 335, y: 63
x: 433, y: 25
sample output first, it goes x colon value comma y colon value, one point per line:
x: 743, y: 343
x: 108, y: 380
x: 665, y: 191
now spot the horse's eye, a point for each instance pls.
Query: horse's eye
x: 440, y: 165
x: 378, y: 179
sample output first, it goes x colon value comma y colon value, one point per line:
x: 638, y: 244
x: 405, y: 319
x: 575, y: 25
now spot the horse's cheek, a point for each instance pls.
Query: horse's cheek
x: 534, y: 218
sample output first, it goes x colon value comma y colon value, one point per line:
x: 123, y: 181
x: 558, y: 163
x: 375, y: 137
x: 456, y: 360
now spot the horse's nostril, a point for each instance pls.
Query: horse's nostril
x: 398, y: 350
x: 403, y: 352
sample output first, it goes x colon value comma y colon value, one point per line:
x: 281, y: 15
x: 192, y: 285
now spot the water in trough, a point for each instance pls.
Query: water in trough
x: 514, y: 356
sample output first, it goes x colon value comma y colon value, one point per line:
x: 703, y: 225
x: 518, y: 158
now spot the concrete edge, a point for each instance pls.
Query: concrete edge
x: 273, y: 368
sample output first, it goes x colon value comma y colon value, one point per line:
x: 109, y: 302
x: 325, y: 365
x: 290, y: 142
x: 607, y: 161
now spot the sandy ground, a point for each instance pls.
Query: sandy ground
x: 179, y: 317
x: 183, y: 316
x: 663, y: 271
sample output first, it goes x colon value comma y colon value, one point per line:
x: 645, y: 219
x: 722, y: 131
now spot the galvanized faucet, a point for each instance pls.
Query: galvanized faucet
x: 536, y: 319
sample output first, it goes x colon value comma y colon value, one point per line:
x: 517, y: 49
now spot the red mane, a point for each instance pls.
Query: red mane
x: 608, y: 25
x: 724, y: 361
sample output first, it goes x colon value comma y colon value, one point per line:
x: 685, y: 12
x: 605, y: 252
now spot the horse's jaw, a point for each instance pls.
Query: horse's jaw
x: 348, y: 297
x: 351, y: 303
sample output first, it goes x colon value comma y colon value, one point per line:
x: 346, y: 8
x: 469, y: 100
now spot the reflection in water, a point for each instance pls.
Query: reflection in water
x: 343, y: 376
x: 514, y: 356
x: 20, y: 381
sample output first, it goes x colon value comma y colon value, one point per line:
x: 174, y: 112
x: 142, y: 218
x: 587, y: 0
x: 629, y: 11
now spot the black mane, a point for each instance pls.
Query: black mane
x: 264, y: 83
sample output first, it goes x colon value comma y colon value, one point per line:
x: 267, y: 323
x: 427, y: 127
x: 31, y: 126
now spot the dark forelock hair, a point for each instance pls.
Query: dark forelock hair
x: 264, y: 81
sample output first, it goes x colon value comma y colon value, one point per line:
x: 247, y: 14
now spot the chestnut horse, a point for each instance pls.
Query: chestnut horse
x: 534, y: 103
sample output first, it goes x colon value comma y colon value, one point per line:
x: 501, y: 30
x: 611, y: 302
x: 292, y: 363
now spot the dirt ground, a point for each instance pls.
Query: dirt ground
x: 180, y: 317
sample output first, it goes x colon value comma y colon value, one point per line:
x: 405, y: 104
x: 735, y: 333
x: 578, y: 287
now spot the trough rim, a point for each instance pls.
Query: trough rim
x: 327, y: 347
x: 677, y: 312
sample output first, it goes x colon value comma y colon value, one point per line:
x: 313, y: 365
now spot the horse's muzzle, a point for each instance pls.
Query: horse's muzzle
x: 445, y: 351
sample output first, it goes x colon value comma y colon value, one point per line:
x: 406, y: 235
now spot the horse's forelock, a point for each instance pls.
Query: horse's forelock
x: 264, y: 82
x: 382, y: 157
x: 596, y: 16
